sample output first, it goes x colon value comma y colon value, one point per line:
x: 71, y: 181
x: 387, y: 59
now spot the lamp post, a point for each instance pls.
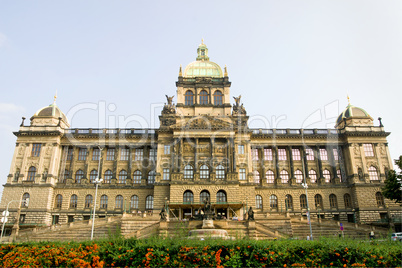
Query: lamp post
x: 97, y: 182
x: 305, y: 186
x: 6, y: 213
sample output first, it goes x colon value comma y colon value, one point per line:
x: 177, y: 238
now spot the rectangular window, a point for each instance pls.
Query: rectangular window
x: 138, y: 154
x: 368, y: 149
x: 124, y: 154
x: 310, y: 154
x: 240, y: 149
x: 254, y: 154
x: 296, y: 154
x: 69, y: 154
x: 268, y: 155
x: 152, y: 154
x: 323, y: 154
x: 36, y: 149
x: 166, y: 175
x: 282, y: 154
x: 242, y: 174
x: 166, y: 149
x: 110, y: 154
x: 336, y: 157
x: 82, y: 154
x: 95, y: 154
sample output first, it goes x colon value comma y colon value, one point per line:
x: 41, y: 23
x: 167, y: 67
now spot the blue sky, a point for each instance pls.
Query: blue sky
x: 293, y: 62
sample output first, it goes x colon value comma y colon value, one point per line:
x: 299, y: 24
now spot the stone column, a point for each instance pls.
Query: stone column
x: 303, y: 154
x: 130, y: 162
x: 233, y: 148
x: 228, y: 167
x: 316, y: 151
x: 86, y: 162
x: 116, y: 175
x: 292, y: 169
x: 196, y: 155
x: 364, y: 163
x: 275, y: 151
x: 332, y: 161
x: 378, y: 157
x: 72, y: 161
x: 180, y: 156
x: 262, y: 167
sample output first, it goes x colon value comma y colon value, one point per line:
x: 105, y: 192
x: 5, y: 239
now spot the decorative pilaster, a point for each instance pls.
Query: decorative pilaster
x: 275, y: 150
x: 316, y: 151
x: 196, y: 156
x: 292, y: 169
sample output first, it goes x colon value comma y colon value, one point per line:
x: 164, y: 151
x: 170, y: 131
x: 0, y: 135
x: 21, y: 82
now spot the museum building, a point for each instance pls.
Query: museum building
x: 202, y: 150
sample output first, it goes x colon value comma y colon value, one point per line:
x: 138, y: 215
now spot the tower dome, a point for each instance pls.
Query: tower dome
x: 353, y: 116
x: 203, y: 67
x: 50, y: 116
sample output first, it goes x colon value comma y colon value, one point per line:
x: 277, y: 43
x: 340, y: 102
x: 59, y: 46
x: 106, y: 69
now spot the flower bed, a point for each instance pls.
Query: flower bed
x: 157, y: 252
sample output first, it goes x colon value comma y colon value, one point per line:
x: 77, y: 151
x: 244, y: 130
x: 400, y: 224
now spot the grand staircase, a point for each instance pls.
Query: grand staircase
x: 273, y: 226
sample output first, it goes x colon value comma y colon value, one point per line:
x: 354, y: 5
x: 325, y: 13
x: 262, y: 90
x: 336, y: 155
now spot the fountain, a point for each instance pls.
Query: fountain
x: 208, y: 229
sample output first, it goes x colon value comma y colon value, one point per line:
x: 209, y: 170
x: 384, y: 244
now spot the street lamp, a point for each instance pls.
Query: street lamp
x: 97, y: 182
x: 6, y: 213
x: 305, y: 186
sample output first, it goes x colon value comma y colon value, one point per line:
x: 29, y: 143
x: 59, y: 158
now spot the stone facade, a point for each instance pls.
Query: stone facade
x: 202, y: 148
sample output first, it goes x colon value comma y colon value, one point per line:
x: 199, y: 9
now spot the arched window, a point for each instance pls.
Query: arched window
x: 299, y: 176
x: 137, y: 176
x: 258, y: 201
x: 318, y: 201
x: 380, y: 199
x: 313, y: 176
x: 303, y: 201
x: 333, y: 202
x: 88, y: 201
x: 348, y: 200
x: 31, y: 174
x: 134, y: 202
x: 221, y: 196
x: 25, y: 200
x: 270, y: 176
x: 220, y: 172
x: 218, y: 98
x: 256, y: 176
x: 73, y: 201
x: 103, y: 201
x: 122, y: 176
x: 149, y: 202
x: 204, y: 172
x: 189, y: 98
x: 188, y: 172
x: 203, y: 97
x: 93, y: 175
x: 204, y: 195
x: 284, y: 176
x: 188, y: 197
x: 151, y: 177
x: 119, y: 202
x: 273, y: 202
x: 373, y: 173
x: 108, y: 176
x: 288, y: 202
x: 79, y: 175
x: 59, y: 201
x: 327, y: 175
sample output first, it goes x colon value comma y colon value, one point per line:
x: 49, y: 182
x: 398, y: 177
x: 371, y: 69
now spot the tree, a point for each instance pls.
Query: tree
x: 393, y: 186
